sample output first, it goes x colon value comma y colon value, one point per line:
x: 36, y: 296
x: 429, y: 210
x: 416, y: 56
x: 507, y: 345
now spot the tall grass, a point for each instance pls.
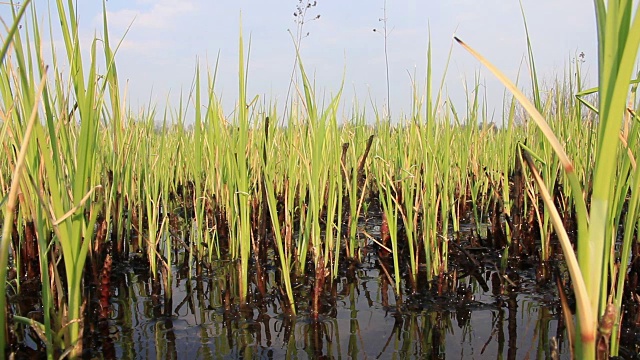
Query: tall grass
x: 234, y: 187
x: 242, y: 191
x: 69, y: 176
x: 618, y: 42
x: 11, y: 198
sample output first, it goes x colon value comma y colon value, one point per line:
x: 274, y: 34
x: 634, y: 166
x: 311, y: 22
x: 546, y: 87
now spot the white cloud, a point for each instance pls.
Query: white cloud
x: 151, y: 14
x: 143, y: 46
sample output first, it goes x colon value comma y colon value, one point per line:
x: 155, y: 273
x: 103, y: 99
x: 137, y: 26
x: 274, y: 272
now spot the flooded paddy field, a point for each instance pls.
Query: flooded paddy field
x: 480, y: 309
x: 317, y: 228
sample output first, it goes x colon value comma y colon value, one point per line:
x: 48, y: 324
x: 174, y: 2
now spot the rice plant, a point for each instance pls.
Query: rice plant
x: 293, y: 197
x: 618, y: 41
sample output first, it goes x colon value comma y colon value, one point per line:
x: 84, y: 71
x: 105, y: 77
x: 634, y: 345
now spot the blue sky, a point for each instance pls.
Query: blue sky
x: 166, y: 37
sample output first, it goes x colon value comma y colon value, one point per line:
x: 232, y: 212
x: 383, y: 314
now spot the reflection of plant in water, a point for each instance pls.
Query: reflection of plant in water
x: 317, y: 334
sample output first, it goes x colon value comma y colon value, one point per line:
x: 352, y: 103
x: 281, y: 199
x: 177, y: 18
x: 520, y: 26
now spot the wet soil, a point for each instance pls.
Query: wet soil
x: 485, y: 307
x: 361, y: 318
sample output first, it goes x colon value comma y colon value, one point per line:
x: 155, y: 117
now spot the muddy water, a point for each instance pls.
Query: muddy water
x: 361, y: 319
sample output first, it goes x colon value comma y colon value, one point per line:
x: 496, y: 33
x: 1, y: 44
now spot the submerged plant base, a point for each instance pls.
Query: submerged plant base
x: 476, y: 310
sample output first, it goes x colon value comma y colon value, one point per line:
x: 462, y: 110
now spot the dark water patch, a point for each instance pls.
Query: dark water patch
x: 484, y: 307
x: 361, y: 318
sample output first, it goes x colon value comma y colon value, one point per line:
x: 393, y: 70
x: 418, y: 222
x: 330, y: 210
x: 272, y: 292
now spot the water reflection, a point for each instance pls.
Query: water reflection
x: 361, y: 318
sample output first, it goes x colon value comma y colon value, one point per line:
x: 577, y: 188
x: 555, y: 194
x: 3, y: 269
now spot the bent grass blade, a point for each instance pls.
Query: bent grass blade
x: 587, y: 317
x: 11, y: 203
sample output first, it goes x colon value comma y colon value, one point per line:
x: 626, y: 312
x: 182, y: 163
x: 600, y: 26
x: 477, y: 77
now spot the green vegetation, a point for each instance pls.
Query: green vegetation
x: 614, y: 157
x: 85, y: 179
